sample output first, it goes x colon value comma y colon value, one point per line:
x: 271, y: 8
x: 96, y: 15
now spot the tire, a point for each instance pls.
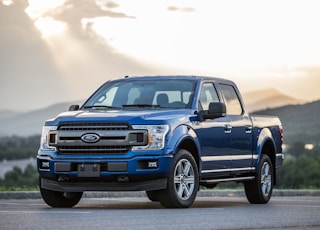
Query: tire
x: 153, y: 195
x: 60, y: 199
x: 259, y: 190
x: 183, y: 182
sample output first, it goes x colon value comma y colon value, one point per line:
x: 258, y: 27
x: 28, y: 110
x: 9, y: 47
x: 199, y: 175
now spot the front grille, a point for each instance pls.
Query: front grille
x: 112, y: 138
x: 102, y: 138
x: 95, y: 150
x: 94, y: 126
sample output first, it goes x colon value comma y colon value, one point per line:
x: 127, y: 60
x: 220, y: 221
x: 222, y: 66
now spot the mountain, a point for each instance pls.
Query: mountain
x: 7, y: 114
x: 301, y: 123
x: 267, y: 98
x: 296, y: 117
x: 29, y: 123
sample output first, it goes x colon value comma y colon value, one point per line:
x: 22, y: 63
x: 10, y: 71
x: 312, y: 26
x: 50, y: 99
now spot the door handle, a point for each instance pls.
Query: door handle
x: 227, y: 129
x: 249, y: 129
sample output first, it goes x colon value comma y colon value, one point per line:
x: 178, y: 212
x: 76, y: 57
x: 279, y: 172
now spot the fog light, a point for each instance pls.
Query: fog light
x: 44, y: 165
x: 152, y: 164
x: 148, y: 164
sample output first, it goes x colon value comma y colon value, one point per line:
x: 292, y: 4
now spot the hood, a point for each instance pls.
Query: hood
x: 158, y: 116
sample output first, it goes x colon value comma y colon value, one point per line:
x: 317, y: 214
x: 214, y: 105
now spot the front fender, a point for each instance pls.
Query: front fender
x: 179, y: 135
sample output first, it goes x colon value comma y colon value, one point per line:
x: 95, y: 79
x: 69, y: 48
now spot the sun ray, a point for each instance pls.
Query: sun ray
x: 49, y: 27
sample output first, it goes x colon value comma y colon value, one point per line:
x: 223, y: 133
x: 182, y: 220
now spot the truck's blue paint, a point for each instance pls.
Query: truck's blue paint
x: 225, y: 147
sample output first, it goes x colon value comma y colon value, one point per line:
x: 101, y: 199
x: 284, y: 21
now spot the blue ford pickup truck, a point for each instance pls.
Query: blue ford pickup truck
x: 166, y: 135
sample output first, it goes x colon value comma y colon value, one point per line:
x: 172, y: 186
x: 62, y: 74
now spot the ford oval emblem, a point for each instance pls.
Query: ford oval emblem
x: 90, y: 138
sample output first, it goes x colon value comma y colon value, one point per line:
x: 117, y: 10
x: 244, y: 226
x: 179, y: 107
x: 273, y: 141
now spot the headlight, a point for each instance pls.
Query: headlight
x: 45, y: 138
x: 156, y: 136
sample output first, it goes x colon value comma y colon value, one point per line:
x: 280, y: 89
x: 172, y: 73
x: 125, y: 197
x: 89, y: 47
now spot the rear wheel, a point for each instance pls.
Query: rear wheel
x: 259, y: 190
x: 183, y: 182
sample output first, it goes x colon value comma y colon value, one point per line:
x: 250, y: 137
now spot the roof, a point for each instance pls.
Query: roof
x: 171, y: 77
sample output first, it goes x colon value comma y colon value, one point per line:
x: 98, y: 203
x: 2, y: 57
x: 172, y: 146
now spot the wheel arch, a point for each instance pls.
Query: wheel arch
x: 188, y: 144
x: 266, y: 145
x: 184, y: 137
x: 269, y: 150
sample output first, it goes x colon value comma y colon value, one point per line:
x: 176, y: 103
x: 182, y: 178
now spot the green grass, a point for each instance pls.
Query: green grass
x: 16, y: 189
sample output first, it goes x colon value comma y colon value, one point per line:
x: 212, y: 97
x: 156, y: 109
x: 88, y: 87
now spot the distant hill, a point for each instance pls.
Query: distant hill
x: 29, y: 123
x: 7, y: 113
x: 301, y: 123
x: 268, y: 98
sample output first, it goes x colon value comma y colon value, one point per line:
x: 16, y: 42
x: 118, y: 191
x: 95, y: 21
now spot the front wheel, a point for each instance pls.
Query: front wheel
x: 183, y: 182
x: 60, y: 199
x: 153, y: 195
x: 259, y: 190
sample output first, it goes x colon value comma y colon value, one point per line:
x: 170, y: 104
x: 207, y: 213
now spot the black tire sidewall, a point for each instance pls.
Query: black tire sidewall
x: 58, y: 199
x: 153, y: 195
x: 168, y: 197
x: 253, y: 188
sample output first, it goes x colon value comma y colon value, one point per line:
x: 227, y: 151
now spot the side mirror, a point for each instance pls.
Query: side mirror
x: 74, y: 107
x: 216, y: 110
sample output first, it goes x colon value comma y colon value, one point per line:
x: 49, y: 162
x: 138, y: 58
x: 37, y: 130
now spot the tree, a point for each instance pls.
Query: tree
x: 16, y: 147
x: 19, y: 178
x: 301, y: 172
x: 297, y: 149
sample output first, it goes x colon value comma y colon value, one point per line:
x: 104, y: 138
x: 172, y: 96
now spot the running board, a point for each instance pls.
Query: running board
x: 227, y: 179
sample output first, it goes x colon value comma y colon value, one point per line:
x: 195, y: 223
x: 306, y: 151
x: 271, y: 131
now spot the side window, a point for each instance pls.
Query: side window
x: 208, y: 94
x: 232, y: 101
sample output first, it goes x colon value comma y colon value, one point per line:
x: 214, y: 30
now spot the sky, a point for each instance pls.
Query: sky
x: 61, y: 50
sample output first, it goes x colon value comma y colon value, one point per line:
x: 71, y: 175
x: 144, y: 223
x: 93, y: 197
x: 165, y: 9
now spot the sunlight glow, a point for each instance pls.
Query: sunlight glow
x: 220, y: 35
x: 224, y: 36
x: 37, y: 8
x: 248, y: 40
x: 156, y: 35
x: 7, y: 2
x: 49, y: 27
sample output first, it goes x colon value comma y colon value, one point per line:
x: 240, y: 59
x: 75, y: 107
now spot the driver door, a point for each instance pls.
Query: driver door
x: 214, y: 136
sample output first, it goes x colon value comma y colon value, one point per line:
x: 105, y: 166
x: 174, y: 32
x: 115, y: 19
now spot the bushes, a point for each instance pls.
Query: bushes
x: 301, y: 172
x: 19, y: 178
x: 15, y: 147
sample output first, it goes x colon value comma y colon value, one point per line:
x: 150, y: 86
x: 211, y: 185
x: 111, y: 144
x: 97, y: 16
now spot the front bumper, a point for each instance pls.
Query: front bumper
x: 81, y: 173
x: 103, y: 186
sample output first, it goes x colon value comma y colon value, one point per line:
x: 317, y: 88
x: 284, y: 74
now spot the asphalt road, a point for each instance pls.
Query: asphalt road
x: 139, y: 213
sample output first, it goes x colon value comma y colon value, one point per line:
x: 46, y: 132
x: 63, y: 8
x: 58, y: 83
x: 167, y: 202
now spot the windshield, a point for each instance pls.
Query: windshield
x: 140, y: 93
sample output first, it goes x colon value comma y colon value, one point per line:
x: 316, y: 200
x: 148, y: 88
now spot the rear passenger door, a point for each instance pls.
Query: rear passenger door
x: 240, y: 130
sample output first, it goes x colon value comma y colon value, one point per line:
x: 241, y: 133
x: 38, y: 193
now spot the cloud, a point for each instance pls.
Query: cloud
x: 181, y: 9
x: 74, y: 10
x: 37, y: 72
x: 155, y: 37
x: 106, y: 4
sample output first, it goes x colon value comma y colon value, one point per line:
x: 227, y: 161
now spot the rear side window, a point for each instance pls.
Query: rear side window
x: 232, y: 101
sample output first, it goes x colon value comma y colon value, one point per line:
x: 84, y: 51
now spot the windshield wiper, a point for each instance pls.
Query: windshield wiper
x: 141, y: 106
x: 100, y: 107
